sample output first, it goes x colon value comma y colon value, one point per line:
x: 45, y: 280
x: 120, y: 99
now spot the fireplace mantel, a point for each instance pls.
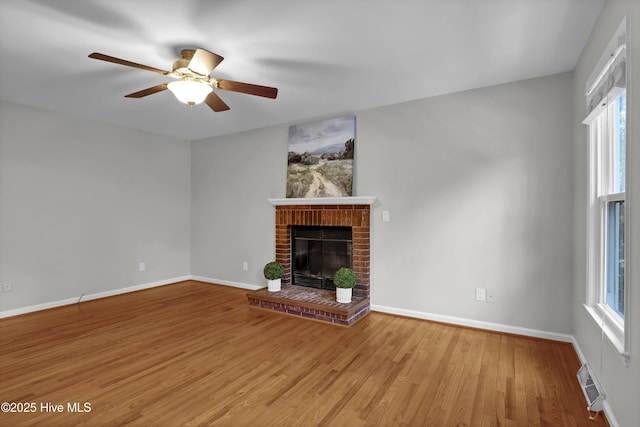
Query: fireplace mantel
x: 355, y: 200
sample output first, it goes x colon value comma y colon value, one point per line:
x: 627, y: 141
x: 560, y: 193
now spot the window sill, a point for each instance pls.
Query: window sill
x: 614, y: 334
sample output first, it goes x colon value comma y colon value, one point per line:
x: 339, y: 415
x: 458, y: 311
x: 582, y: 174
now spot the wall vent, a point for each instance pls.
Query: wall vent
x: 591, y: 389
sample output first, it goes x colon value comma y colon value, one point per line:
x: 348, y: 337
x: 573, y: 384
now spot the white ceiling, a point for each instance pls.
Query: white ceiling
x: 326, y: 57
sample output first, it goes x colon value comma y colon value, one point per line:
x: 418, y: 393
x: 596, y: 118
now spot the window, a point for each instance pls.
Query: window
x: 613, y: 204
x: 607, y: 119
x: 608, y: 175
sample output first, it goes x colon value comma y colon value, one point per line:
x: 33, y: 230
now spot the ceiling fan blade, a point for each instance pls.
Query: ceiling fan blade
x: 103, y: 57
x: 149, y: 91
x: 216, y: 104
x: 248, y: 88
x: 203, y: 62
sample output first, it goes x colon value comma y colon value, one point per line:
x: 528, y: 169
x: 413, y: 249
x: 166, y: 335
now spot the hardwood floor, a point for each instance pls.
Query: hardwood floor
x: 197, y: 354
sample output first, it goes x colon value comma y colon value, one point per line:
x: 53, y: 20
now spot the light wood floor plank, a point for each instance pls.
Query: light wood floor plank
x: 197, y: 354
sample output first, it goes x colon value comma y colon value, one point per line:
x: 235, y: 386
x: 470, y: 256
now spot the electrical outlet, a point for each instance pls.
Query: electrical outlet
x: 481, y: 295
x: 245, y: 266
x: 491, y: 295
x: 142, y: 266
x: 6, y: 287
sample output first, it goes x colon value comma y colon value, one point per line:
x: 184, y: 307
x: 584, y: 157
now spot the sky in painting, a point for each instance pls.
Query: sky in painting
x: 320, y: 137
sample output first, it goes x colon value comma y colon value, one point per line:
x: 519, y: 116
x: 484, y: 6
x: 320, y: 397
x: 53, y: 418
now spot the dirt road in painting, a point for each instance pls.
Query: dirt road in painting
x: 321, y: 186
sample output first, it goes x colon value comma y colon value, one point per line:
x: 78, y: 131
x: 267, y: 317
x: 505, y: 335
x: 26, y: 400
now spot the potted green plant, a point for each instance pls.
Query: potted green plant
x: 273, y: 272
x: 345, y: 281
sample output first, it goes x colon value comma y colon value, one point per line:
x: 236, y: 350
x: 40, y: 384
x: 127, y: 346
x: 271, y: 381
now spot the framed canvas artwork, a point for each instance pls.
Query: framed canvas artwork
x: 320, y: 158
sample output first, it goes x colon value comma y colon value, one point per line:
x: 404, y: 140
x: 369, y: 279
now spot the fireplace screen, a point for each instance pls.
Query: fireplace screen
x: 317, y: 253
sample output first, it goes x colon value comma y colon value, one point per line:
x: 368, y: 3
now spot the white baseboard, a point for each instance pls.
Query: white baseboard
x: 60, y: 303
x: 609, y: 414
x: 226, y: 283
x: 474, y: 323
x: 74, y: 300
x: 579, y: 352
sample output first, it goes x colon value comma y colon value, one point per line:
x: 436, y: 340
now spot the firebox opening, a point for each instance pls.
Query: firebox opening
x: 317, y: 253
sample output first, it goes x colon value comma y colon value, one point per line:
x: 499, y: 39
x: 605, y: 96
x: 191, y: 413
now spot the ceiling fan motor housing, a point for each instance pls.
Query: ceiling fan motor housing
x: 181, y: 66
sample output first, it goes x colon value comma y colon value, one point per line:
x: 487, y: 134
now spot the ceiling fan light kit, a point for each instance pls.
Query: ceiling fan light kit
x: 190, y: 92
x: 194, y: 84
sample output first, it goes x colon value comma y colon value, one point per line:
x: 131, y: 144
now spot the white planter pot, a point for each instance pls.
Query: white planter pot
x: 274, y: 285
x: 343, y: 295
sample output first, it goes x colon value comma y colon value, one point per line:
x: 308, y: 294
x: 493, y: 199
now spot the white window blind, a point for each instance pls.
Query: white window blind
x: 609, y: 77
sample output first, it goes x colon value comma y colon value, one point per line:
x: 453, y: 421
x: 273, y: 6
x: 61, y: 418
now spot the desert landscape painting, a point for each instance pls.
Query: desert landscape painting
x: 320, y: 158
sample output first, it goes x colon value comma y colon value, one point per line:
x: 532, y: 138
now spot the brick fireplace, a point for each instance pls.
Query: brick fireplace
x: 351, y: 212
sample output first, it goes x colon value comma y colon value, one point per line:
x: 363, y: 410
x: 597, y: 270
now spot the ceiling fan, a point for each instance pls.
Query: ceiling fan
x: 194, y: 84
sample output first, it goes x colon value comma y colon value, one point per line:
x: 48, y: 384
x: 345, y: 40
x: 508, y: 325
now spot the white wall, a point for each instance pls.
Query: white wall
x: 232, y: 222
x: 622, y: 384
x: 82, y: 203
x: 478, y: 185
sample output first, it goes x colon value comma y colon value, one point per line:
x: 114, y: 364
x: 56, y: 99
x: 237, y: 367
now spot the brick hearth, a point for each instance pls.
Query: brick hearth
x: 356, y: 216
x: 318, y: 304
